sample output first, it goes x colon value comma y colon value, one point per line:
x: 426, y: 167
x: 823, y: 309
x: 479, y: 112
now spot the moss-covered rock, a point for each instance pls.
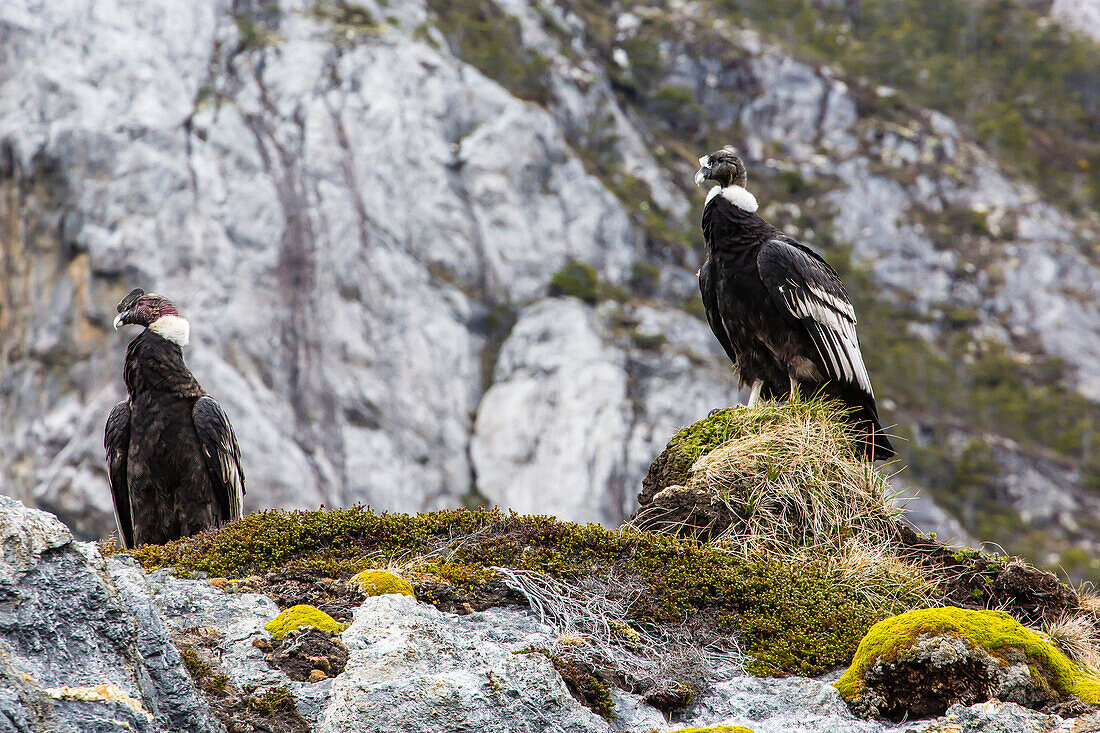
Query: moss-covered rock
x: 381, y: 582
x: 300, y: 617
x: 921, y: 662
x: 791, y: 618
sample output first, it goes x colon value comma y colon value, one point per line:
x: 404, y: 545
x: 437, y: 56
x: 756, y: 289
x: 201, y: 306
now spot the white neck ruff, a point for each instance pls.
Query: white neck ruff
x: 175, y: 329
x: 736, y: 195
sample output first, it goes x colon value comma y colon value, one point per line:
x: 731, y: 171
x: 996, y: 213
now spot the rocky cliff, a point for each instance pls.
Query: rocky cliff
x: 438, y: 254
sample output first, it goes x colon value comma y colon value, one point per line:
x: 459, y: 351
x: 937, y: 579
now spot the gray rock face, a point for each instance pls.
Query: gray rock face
x: 413, y: 668
x: 80, y: 652
x: 338, y: 222
x: 1081, y: 15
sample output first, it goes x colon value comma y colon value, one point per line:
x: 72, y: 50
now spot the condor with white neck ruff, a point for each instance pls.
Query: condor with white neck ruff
x: 779, y: 310
x: 173, y: 462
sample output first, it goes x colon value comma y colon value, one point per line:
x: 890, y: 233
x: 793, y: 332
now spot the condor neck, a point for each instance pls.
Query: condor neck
x: 727, y: 226
x: 156, y: 363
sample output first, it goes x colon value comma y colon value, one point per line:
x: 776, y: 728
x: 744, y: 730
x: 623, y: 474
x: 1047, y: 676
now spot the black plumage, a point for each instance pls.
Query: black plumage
x: 173, y: 462
x: 779, y: 310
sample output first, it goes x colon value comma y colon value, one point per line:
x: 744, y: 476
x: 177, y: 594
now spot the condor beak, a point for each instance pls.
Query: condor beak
x: 701, y: 175
x: 120, y: 320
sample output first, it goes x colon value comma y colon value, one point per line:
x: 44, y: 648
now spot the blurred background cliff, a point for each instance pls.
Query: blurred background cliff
x: 443, y: 253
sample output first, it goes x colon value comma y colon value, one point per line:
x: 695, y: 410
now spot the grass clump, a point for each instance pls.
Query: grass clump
x: 789, y: 478
x: 203, y: 674
x: 272, y: 702
x: 381, y: 582
x: 302, y: 616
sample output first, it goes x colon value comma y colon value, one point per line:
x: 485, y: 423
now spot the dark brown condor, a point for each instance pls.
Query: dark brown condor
x: 172, y: 458
x: 778, y: 309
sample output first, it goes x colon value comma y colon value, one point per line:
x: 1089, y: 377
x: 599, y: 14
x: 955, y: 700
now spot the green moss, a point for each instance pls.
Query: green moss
x: 715, y: 729
x: 582, y: 682
x: 994, y: 631
x: 381, y: 582
x: 578, y: 279
x: 274, y: 701
x: 800, y: 619
x: 302, y: 616
x: 203, y: 675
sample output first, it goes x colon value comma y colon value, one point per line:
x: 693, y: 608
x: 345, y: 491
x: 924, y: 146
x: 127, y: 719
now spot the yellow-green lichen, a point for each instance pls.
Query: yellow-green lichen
x: 994, y: 631
x: 715, y: 729
x: 302, y: 616
x: 381, y: 582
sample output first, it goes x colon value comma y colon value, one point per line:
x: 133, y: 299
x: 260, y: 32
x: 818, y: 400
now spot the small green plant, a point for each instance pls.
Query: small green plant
x: 272, y: 702
x: 578, y: 279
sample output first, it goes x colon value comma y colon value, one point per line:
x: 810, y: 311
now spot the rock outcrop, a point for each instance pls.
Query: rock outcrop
x: 94, y: 644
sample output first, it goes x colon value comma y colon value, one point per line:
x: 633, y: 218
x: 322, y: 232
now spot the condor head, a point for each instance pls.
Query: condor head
x: 156, y: 313
x: 723, y: 167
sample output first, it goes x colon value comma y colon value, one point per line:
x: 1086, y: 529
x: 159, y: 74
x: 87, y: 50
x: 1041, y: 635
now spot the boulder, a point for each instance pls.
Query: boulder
x: 920, y: 663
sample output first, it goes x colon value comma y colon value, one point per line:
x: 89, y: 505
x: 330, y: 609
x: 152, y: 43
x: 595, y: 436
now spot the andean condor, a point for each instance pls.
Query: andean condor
x: 172, y: 459
x: 778, y: 309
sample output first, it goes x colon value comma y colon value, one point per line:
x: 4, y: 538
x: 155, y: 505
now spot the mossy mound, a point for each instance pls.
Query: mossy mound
x: 777, y: 477
x: 381, y: 582
x: 673, y: 466
x: 921, y: 662
x: 790, y: 618
x: 302, y: 617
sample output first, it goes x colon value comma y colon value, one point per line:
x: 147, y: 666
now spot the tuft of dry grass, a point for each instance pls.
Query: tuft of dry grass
x: 1078, y: 636
x: 587, y: 616
x: 796, y: 483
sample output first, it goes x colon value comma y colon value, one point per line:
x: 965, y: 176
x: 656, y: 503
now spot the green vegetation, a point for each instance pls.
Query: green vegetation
x: 487, y: 38
x: 380, y: 582
x: 302, y: 616
x: 793, y: 618
x: 715, y: 729
x: 580, y: 280
x: 256, y: 31
x: 994, y: 631
x: 203, y: 675
x: 274, y: 701
x: 692, y: 441
x: 348, y: 21
x: 1024, y: 86
x: 582, y: 681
